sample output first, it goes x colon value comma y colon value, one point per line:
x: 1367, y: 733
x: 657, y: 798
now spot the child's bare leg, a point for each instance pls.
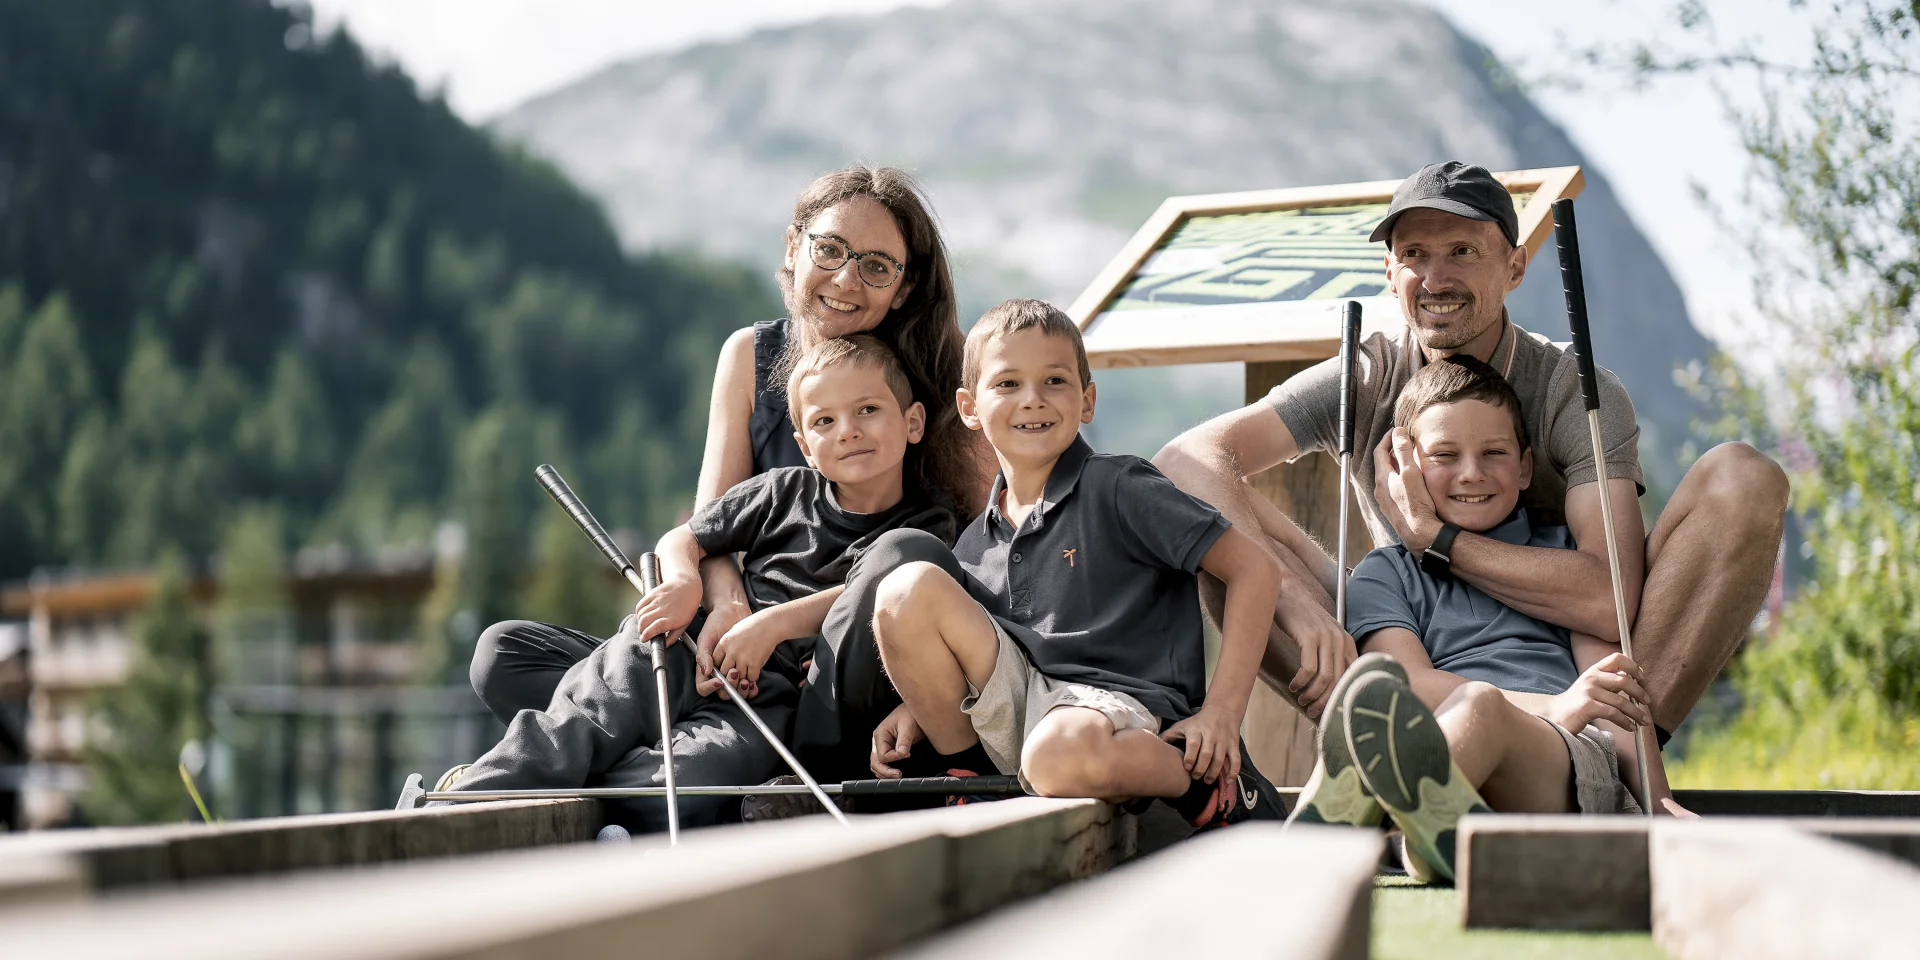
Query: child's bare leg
x: 1074, y: 752
x: 933, y: 640
x: 1518, y: 761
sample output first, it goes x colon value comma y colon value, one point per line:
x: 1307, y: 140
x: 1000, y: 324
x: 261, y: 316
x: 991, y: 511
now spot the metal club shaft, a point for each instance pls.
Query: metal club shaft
x: 1567, y: 239
x: 657, y: 649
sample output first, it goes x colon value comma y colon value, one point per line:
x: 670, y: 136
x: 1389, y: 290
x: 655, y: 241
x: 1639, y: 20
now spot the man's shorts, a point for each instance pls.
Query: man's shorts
x: 1597, y: 786
x: 1016, y: 696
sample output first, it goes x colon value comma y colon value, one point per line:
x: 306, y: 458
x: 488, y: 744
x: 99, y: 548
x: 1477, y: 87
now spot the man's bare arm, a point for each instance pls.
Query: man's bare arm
x: 1569, y: 588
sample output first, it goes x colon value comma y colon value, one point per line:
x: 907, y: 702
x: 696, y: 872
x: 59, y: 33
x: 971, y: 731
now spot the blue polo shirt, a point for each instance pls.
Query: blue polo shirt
x: 1466, y: 632
x: 1098, y: 585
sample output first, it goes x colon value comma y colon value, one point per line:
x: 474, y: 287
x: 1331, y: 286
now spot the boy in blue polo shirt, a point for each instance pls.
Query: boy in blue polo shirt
x: 1515, y: 724
x: 1066, y: 637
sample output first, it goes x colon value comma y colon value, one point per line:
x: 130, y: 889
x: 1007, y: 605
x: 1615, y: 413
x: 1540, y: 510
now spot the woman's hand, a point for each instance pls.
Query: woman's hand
x: 1612, y: 689
x: 893, y: 739
x: 668, y: 608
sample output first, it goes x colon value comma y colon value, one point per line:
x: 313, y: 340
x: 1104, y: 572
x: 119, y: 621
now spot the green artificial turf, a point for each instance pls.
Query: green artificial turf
x: 1412, y: 922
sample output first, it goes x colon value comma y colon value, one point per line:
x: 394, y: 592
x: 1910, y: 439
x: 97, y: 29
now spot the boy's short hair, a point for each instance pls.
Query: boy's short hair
x: 859, y: 348
x: 1453, y: 379
x: 1012, y: 317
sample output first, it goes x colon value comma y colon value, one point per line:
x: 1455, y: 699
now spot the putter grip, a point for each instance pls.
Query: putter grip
x: 994, y: 786
x: 1567, y: 239
x: 563, y: 495
x: 1349, y: 342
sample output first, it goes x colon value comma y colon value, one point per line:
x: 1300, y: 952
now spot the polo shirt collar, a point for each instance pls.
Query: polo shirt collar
x: 1060, y: 482
x: 1515, y: 529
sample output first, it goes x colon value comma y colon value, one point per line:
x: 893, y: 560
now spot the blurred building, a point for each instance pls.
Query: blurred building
x: 308, y: 717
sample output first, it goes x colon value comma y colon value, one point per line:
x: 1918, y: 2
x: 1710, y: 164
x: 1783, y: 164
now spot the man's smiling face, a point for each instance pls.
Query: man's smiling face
x: 1451, y: 275
x: 1472, y: 462
x: 1029, y: 399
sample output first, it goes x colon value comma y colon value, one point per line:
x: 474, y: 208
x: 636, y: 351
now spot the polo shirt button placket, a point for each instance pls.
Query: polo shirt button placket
x: 1016, y: 556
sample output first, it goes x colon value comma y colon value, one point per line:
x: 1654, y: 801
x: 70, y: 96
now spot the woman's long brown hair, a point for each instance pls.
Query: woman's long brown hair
x: 924, y: 331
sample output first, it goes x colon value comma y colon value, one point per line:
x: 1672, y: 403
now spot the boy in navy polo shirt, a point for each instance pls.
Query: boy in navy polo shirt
x: 1516, y: 723
x: 1068, y: 641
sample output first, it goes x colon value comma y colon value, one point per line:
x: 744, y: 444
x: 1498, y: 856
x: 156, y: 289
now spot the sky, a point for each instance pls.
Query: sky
x: 1653, y: 144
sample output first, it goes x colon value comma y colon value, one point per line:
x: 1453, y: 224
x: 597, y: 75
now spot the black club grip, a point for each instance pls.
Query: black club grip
x: 1567, y: 239
x: 1349, y: 346
x: 994, y: 786
x: 563, y: 495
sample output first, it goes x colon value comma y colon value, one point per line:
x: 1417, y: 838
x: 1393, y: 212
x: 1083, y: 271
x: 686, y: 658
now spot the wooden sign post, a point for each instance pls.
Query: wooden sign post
x: 1260, y: 278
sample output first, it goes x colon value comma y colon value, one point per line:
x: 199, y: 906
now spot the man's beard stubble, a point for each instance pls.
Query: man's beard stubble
x: 1462, y: 328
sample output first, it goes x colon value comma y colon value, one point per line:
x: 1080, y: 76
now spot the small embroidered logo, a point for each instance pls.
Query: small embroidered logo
x: 1068, y: 553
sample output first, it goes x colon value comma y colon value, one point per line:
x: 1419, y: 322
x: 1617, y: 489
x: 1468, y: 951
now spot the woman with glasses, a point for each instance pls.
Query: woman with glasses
x: 863, y: 255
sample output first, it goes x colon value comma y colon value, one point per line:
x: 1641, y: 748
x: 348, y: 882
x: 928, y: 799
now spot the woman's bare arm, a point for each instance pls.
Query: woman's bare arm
x: 728, y: 460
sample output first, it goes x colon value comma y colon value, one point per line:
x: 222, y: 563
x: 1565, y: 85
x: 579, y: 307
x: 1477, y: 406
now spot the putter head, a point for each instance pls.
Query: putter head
x: 411, y: 793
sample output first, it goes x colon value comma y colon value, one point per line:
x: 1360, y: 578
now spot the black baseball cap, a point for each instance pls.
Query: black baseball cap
x: 1461, y: 189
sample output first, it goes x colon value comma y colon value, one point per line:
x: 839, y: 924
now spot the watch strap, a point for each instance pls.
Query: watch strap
x: 1437, y: 559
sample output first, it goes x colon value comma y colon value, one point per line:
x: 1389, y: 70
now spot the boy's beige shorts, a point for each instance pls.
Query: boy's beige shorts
x: 1596, y: 771
x: 1016, y: 696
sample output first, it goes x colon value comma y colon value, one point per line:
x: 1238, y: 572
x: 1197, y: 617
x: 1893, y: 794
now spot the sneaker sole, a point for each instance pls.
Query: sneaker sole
x: 1402, y: 757
x: 1334, y: 793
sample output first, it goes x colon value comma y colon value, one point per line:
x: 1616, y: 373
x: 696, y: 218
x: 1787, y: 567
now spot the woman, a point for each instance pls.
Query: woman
x: 863, y: 255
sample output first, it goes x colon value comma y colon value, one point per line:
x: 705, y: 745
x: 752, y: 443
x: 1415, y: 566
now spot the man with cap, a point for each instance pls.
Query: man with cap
x: 1452, y: 256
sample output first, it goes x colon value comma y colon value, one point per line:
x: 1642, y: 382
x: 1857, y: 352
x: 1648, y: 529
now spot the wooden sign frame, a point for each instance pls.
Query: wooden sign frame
x: 1286, y: 330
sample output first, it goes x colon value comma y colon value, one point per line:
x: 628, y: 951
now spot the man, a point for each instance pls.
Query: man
x: 1453, y: 255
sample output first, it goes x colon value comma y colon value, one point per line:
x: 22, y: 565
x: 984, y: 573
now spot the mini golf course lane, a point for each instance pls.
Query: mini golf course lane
x: 1413, y: 922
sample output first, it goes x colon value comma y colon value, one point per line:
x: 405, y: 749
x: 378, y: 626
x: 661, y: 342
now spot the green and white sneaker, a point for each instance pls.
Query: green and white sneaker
x: 451, y: 777
x: 1403, y: 759
x: 1334, y: 792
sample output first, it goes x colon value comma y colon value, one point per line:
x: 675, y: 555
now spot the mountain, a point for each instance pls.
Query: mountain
x: 244, y: 265
x: 1047, y: 130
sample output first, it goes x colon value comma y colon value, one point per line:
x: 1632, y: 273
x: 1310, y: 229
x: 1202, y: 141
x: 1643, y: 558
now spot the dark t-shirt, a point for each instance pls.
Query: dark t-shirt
x: 1466, y: 632
x: 797, y: 541
x: 1098, y: 584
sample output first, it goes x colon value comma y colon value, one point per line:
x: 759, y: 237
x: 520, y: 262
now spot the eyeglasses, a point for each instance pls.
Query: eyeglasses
x: 876, y: 269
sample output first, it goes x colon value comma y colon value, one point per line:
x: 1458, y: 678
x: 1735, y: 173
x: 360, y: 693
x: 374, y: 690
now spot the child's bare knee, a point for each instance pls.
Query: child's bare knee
x: 1477, y: 699
x: 1069, y: 757
x: 906, y: 591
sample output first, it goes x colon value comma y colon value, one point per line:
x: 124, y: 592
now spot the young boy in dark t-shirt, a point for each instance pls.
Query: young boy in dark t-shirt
x: 1515, y: 722
x: 798, y: 530
x: 1066, y: 638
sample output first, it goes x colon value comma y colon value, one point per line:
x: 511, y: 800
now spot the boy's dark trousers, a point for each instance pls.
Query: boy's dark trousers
x: 581, y: 711
x: 847, y: 693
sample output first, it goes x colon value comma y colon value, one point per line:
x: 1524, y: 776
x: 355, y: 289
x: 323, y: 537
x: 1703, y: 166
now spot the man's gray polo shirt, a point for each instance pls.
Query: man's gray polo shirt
x: 1097, y: 585
x: 1466, y: 632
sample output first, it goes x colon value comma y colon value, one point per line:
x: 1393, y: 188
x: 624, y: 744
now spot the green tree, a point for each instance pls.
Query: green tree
x: 570, y: 584
x: 45, y: 389
x: 132, y: 764
x: 1832, y: 215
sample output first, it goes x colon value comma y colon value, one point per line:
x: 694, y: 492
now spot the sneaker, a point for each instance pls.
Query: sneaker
x: 451, y: 777
x: 1403, y: 759
x: 1210, y: 806
x: 1334, y: 792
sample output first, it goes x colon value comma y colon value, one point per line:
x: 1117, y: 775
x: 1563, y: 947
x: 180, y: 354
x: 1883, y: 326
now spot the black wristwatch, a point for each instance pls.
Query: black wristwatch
x: 1438, y: 558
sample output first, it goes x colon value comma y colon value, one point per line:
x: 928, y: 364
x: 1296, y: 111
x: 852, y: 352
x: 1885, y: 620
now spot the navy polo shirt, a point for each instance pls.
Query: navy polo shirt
x: 1466, y: 632
x: 1097, y: 585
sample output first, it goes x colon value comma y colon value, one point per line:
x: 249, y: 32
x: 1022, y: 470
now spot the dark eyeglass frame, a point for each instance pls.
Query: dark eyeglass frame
x: 899, y: 269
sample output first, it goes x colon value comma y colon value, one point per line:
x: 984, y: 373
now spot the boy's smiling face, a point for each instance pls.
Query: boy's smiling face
x: 855, y: 431
x: 1029, y: 400
x: 1472, y: 461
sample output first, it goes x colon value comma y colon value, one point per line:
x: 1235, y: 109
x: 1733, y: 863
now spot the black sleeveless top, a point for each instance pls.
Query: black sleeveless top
x: 770, y: 430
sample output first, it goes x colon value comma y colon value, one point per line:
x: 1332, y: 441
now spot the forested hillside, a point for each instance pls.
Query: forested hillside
x: 243, y: 264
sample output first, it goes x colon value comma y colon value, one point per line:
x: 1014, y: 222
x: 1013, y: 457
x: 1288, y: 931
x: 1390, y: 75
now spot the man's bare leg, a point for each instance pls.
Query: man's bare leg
x: 934, y: 640
x: 1074, y: 752
x: 1517, y: 761
x: 1709, y: 561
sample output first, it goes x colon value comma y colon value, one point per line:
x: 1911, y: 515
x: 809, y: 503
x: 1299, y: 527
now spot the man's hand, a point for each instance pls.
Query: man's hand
x: 668, y: 608
x: 1611, y: 689
x: 1325, y: 652
x: 1401, y: 491
x: 1212, y: 742
x: 893, y: 739
x: 741, y: 653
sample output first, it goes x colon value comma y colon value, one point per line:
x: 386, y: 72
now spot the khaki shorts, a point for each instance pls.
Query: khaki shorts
x: 1597, y: 786
x: 1016, y: 697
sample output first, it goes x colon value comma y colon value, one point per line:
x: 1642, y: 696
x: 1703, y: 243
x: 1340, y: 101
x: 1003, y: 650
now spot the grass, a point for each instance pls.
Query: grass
x: 1412, y: 922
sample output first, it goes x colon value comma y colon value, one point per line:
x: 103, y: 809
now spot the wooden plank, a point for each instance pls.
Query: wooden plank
x: 119, y: 857
x: 1564, y: 872
x: 1758, y: 891
x: 37, y: 882
x: 1254, y: 890
x: 1800, y: 803
x: 805, y: 888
